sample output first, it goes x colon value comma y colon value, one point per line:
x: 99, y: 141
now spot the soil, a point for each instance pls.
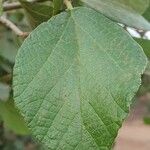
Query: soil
x: 134, y: 134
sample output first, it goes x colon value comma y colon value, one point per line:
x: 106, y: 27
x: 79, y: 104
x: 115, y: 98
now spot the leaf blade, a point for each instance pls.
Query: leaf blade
x: 73, y: 94
x: 120, y: 13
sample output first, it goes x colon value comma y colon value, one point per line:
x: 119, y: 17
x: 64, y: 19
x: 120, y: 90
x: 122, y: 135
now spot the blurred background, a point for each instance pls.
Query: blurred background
x: 14, y: 135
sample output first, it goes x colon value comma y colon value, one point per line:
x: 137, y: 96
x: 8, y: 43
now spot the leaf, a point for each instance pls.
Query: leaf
x: 12, y: 119
x: 147, y: 14
x: 145, y: 87
x: 138, y: 5
x: 145, y: 45
x: 74, y: 80
x: 121, y: 13
x: 4, y: 91
x: 37, y: 13
x: 57, y: 6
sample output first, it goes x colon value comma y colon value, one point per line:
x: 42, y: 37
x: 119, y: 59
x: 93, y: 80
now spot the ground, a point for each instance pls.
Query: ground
x: 135, y: 135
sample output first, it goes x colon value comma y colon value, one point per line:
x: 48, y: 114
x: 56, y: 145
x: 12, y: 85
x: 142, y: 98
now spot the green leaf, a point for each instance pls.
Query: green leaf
x: 57, y: 6
x: 147, y: 14
x: 37, y: 13
x: 12, y: 119
x: 145, y: 45
x: 120, y: 12
x: 138, y: 5
x: 74, y: 80
x: 145, y: 87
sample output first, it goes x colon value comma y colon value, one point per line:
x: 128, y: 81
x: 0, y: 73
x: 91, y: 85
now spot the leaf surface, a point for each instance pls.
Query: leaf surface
x: 74, y: 80
x: 121, y: 12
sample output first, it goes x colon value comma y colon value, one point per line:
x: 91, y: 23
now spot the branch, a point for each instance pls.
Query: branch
x: 68, y: 4
x: 11, y: 6
x: 17, y: 5
x: 13, y: 27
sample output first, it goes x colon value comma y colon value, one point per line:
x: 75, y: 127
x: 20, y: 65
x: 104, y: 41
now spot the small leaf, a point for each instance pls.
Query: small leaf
x: 145, y: 45
x: 12, y: 119
x: 74, y: 80
x: 147, y: 14
x: 37, y: 13
x: 57, y: 6
x: 138, y: 5
x: 119, y: 12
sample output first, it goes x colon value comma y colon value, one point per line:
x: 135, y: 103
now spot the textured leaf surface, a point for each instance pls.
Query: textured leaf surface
x: 12, y: 119
x: 120, y: 12
x: 74, y: 79
x: 37, y: 13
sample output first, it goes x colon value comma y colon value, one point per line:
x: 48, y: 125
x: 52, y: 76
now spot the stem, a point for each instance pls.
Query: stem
x: 68, y: 4
x: 13, y: 27
x: 11, y: 6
